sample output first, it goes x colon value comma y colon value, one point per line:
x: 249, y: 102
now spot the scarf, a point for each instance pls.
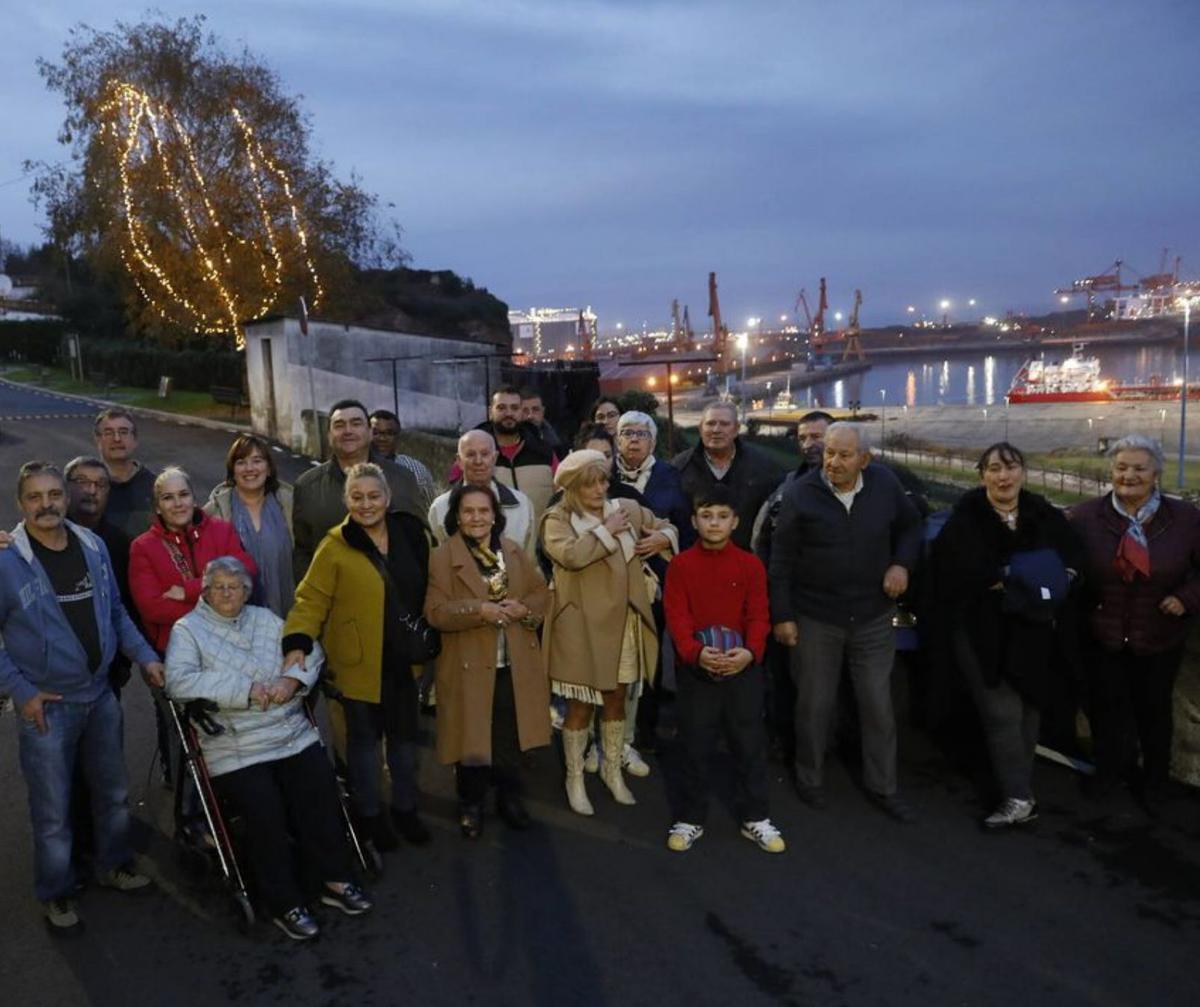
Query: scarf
x: 1133, y: 551
x: 271, y: 549
x: 638, y: 476
x: 584, y: 523
x: 491, y: 567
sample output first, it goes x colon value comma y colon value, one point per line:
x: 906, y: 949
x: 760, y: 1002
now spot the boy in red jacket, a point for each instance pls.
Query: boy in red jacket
x: 718, y: 616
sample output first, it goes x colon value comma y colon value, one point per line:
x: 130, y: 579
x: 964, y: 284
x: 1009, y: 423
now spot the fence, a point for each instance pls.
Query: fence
x: 1079, y: 484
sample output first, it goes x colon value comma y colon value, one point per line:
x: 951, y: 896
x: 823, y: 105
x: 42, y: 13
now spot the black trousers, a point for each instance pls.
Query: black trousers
x: 780, y: 699
x: 286, y: 800
x: 505, y: 770
x: 1132, y: 702
x: 705, y: 708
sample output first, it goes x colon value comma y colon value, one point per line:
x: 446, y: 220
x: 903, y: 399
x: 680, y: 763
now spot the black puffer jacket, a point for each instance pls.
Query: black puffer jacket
x: 751, y: 477
x: 968, y: 560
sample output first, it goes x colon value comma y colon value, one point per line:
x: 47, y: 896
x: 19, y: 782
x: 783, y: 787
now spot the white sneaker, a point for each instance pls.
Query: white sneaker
x: 765, y: 835
x: 633, y: 763
x: 683, y: 836
x: 591, y: 761
x: 1012, y: 811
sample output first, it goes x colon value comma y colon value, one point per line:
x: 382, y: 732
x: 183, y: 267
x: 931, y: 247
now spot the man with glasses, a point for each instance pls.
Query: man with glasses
x: 131, y: 491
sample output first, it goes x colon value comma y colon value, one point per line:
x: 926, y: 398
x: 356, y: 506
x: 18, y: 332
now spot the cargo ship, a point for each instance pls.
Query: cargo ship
x: 1078, y: 379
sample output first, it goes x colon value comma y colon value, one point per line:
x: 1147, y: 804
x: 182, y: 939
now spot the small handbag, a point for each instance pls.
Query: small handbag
x: 420, y: 642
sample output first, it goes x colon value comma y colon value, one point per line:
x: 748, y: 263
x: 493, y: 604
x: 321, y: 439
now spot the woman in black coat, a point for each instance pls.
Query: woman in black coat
x: 1001, y: 568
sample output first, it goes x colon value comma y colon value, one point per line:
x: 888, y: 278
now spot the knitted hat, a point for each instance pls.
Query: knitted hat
x: 574, y: 465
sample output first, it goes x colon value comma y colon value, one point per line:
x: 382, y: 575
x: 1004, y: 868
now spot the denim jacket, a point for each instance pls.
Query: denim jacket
x: 38, y: 649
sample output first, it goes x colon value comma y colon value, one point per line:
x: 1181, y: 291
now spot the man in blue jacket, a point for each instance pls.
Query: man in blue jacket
x: 61, y: 622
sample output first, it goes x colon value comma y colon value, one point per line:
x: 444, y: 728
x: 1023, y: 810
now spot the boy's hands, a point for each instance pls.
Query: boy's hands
x: 722, y: 664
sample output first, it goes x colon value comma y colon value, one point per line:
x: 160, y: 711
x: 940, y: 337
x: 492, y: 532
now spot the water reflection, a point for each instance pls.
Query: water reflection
x: 910, y: 389
x: 943, y: 380
x: 989, y: 380
x: 970, y: 384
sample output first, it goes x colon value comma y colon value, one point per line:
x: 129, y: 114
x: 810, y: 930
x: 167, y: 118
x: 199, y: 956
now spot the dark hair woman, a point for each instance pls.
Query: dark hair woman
x: 1001, y: 566
x: 606, y: 412
x: 488, y: 599
x: 366, y: 580
x: 259, y: 506
x: 1143, y: 593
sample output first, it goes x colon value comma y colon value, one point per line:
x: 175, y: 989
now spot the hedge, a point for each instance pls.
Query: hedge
x: 34, y: 342
x: 142, y: 364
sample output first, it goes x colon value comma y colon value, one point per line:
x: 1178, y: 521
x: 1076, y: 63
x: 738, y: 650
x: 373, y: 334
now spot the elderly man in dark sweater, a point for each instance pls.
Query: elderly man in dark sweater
x: 846, y: 539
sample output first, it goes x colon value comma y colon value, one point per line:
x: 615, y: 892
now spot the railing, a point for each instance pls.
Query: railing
x: 1080, y: 484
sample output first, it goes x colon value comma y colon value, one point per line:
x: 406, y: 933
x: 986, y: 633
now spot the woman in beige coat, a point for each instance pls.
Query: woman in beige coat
x: 600, y: 636
x: 487, y: 598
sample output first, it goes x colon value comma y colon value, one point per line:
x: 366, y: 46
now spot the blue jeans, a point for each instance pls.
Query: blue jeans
x: 93, y: 733
x: 367, y: 724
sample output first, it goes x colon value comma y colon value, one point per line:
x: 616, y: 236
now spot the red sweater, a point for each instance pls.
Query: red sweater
x: 716, y: 587
x: 158, y: 560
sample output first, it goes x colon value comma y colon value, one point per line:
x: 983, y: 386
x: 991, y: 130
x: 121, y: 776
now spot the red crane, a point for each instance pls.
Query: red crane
x: 720, y: 333
x: 1091, y: 285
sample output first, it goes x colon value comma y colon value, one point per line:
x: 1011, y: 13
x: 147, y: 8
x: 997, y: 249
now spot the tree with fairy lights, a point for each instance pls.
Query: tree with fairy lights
x: 193, y: 184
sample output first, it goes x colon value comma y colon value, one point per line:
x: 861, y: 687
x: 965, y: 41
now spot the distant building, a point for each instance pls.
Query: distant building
x: 545, y: 332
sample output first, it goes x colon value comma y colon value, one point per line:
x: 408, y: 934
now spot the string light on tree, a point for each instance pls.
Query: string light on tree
x: 208, y: 251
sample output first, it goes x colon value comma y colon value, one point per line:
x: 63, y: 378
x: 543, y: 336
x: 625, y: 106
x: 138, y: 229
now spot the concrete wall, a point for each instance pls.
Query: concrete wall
x: 432, y: 393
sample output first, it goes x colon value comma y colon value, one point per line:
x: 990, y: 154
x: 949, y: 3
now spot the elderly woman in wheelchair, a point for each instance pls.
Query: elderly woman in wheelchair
x: 265, y: 758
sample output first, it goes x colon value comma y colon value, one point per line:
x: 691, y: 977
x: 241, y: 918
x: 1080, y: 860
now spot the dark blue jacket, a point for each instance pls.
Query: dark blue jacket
x: 827, y: 563
x: 664, y: 495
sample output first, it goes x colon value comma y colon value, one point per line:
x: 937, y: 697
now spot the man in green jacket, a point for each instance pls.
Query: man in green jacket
x: 318, y: 504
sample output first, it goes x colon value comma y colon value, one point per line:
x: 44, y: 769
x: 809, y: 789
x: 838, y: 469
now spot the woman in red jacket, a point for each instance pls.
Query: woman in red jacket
x: 167, y: 562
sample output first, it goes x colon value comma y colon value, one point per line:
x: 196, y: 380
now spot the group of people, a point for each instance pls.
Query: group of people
x: 552, y: 588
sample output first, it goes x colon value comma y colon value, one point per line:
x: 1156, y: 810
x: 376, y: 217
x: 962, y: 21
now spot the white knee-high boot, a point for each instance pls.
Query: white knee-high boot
x: 613, y: 732
x: 574, y: 744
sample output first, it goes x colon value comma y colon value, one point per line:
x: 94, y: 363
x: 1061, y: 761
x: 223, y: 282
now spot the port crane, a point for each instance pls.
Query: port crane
x: 585, y: 336
x: 720, y: 332
x: 1091, y: 285
x: 682, y: 335
x: 853, y: 344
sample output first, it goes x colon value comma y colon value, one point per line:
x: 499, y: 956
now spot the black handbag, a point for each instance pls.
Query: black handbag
x: 419, y: 641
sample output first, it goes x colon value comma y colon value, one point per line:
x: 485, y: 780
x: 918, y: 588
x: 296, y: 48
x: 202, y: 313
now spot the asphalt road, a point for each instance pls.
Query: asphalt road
x: 1092, y: 905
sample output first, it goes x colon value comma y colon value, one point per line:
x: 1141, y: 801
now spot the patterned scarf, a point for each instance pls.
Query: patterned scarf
x: 491, y: 568
x: 1133, y: 551
x: 638, y: 476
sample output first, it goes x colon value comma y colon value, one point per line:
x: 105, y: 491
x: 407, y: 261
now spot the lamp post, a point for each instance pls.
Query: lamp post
x: 882, y: 419
x: 1183, y: 389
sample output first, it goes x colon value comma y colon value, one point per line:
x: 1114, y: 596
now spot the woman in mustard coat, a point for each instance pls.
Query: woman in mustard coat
x: 487, y: 598
x: 600, y: 633
x: 367, y: 577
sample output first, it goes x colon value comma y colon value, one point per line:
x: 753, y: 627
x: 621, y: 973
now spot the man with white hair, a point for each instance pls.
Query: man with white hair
x: 722, y: 458
x: 476, y: 459
x: 846, y: 539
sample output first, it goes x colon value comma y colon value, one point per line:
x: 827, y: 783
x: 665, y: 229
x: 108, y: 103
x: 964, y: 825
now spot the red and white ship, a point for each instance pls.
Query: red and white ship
x: 1078, y: 379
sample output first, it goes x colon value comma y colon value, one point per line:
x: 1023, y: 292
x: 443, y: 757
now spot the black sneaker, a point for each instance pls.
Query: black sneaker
x: 62, y: 917
x: 814, y: 797
x: 351, y: 900
x: 378, y: 830
x: 298, y: 924
x: 410, y: 826
x: 895, y: 806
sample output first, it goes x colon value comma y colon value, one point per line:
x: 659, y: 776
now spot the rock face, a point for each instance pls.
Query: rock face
x: 1185, y: 757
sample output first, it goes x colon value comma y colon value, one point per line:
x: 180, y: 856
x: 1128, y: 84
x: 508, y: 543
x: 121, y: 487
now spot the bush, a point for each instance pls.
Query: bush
x: 34, y: 342
x: 142, y: 364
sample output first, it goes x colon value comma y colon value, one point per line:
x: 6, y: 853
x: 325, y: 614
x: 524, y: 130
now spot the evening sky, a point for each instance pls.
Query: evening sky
x: 613, y: 152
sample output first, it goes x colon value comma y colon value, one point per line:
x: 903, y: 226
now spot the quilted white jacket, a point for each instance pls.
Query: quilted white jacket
x: 216, y: 658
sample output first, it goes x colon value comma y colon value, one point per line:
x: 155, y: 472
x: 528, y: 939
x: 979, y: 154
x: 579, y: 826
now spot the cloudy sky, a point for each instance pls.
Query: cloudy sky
x: 612, y: 152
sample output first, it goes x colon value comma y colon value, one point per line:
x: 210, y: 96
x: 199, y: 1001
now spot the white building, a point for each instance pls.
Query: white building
x: 432, y: 383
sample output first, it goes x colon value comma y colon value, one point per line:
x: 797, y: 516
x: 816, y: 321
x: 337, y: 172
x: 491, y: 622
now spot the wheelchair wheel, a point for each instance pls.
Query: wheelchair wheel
x: 243, y: 912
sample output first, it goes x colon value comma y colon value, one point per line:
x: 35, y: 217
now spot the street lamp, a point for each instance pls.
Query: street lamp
x: 1183, y: 389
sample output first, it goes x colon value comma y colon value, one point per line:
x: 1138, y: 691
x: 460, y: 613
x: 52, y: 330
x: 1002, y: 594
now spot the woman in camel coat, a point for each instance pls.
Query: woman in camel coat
x: 487, y: 598
x: 600, y: 634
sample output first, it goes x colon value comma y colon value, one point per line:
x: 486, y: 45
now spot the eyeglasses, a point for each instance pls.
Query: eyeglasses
x: 96, y: 484
x: 635, y: 435
x: 607, y: 414
x: 112, y: 435
x: 227, y: 588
